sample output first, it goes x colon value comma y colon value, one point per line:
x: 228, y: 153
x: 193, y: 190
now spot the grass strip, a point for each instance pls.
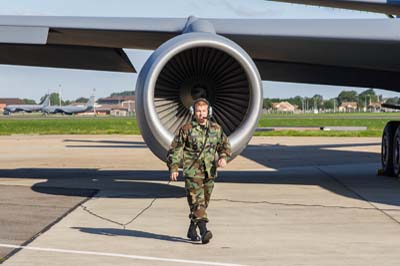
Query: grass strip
x: 43, y: 126
x: 128, y: 125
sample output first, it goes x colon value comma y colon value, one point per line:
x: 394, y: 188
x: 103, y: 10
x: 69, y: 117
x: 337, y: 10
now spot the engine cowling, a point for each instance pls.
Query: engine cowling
x: 169, y: 80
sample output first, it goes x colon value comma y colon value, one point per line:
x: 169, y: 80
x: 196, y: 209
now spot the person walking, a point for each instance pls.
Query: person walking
x: 200, y: 147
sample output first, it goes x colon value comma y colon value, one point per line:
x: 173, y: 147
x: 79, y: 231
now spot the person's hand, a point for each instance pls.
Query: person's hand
x: 222, y: 162
x: 174, y: 176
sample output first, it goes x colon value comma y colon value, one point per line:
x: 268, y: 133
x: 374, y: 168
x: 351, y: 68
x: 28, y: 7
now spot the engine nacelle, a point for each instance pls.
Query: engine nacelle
x: 166, y: 88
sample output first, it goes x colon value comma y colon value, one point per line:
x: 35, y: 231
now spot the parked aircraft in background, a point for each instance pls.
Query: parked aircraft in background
x: 69, y: 109
x: 223, y: 60
x: 28, y: 108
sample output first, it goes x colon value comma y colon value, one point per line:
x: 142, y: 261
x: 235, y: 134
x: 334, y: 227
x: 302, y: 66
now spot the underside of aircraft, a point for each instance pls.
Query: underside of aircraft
x: 227, y: 58
x: 389, y: 7
x: 15, y: 110
x: 56, y: 111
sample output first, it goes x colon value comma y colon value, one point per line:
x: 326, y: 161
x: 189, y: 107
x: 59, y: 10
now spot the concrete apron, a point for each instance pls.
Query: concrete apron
x: 310, y: 214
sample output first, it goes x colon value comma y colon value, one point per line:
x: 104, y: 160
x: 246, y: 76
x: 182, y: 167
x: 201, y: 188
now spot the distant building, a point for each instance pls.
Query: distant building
x: 283, y: 107
x: 112, y: 109
x: 119, y: 112
x: 8, y: 101
x: 116, y: 99
x: 118, y: 103
x: 374, y: 107
x: 348, y: 107
x: 129, y: 105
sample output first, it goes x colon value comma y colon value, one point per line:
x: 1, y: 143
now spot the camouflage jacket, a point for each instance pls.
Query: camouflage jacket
x: 187, y: 145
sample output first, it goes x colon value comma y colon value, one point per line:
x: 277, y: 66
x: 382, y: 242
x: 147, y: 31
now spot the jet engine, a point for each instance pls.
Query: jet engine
x: 193, y: 65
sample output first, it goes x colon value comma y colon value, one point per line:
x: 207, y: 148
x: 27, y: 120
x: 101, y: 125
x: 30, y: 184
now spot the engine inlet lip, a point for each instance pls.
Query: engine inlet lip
x: 171, y: 48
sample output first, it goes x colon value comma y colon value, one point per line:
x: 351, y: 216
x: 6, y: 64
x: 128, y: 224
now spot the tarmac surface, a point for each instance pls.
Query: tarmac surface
x: 101, y: 200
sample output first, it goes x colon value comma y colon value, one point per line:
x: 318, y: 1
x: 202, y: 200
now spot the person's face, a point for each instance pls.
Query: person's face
x: 201, y: 114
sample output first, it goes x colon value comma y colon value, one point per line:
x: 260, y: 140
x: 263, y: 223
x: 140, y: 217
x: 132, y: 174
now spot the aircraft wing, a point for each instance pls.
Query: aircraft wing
x: 390, y: 7
x: 360, y: 52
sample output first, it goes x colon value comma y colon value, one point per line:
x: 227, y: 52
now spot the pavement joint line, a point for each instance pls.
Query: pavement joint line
x: 359, y: 195
x: 267, y: 169
x: 123, y: 196
x: 135, y: 257
x: 299, y: 205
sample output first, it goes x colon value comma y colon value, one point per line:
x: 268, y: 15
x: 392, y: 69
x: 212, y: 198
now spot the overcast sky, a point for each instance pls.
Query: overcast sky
x: 33, y: 82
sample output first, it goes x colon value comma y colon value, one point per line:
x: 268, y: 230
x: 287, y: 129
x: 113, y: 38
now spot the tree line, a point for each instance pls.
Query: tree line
x: 305, y: 103
x: 55, y: 98
x: 318, y: 102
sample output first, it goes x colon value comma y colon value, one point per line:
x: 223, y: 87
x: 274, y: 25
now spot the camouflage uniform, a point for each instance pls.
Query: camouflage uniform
x: 199, y: 173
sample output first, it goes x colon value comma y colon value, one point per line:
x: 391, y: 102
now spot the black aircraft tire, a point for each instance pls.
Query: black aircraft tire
x: 387, y: 147
x: 396, y: 153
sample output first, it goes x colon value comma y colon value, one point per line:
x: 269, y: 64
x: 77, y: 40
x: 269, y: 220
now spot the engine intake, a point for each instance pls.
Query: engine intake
x: 197, y: 65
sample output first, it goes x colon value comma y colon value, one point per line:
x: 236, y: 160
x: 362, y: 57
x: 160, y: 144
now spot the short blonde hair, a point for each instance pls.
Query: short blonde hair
x: 200, y: 102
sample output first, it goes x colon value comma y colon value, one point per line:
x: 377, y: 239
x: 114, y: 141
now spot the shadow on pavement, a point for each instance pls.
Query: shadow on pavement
x: 122, y: 183
x: 285, y: 159
x: 132, y: 233
x: 272, y: 156
x: 106, y: 141
x: 279, y: 156
x: 137, y: 184
x: 105, y: 144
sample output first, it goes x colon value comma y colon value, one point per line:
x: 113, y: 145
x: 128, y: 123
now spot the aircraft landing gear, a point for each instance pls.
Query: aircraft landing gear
x: 387, y: 148
x: 390, y: 149
x: 396, y: 153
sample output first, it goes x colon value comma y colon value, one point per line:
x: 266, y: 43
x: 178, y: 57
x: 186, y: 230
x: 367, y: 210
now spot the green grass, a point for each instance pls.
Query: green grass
x: 374, y: 126
x: 71, y: 125
x: 374, y: 122
x: 336, y: 115
x: 329, y: 117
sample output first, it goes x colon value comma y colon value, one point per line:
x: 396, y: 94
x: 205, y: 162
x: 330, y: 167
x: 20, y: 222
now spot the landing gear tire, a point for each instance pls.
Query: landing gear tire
x: 387, y: 149
x: 396, y: 153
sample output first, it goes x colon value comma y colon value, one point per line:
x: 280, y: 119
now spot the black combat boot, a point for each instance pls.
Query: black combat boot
x: 205, y: 234
x: 192, y: 233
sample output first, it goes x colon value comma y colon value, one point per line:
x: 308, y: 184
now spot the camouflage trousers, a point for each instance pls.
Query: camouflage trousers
x: 198, y: 192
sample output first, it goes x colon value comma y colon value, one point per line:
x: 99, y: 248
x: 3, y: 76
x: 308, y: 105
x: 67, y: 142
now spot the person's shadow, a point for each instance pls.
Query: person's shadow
x: 132, y: 233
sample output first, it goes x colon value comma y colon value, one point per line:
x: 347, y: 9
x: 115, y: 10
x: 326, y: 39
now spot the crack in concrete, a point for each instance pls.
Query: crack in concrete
x: 124, y: 225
